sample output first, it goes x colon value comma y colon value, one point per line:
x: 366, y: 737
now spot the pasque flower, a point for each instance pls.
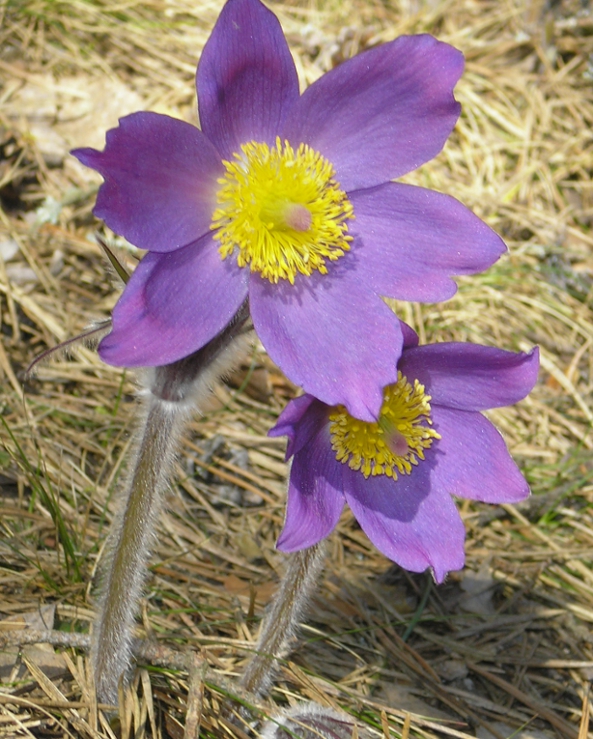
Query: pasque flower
x: 287, y: 199
x: 398, y: 474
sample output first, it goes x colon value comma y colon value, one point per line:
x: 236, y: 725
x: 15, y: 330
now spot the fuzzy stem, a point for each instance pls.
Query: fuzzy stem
x: 131, y: 539
x: 171, y: 394
x: 280, y: 624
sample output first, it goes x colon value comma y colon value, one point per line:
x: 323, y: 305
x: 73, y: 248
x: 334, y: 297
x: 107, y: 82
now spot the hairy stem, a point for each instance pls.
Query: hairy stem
x: 130, y: 542
x: 172, y: 393
x: 281, y: 621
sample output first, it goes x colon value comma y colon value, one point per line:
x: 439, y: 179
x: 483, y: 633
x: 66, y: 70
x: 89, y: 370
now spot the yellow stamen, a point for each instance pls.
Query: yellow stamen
x: 282, y: 211
x: 395, y: 443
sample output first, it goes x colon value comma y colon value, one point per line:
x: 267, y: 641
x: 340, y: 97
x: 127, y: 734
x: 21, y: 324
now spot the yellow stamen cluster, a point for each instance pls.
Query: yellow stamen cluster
x: 395, y: 443
x: 282, y: 210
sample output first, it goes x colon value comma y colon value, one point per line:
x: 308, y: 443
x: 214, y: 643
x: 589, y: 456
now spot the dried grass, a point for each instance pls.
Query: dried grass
x: 505, y: 645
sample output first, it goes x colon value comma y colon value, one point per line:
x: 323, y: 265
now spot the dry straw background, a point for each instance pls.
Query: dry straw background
x: 504, y: 648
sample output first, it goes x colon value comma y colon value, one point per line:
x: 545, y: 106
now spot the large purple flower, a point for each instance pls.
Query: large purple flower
x: 398, y: 475
x: 286, y: 200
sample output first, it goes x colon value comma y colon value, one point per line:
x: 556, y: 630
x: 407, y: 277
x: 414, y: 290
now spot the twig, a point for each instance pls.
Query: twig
x: 142, y: 650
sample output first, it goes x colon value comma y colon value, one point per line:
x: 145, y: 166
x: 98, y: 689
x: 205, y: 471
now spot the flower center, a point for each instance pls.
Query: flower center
x: 393, y: 444
x: 282, y: 210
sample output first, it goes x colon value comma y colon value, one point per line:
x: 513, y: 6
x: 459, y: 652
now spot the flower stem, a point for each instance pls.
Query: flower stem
x: 280, y: 624
x: 129, y: 542
x: 172, y: 393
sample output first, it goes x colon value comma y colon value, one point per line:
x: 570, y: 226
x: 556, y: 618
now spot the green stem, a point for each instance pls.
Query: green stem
x: 420, y: 610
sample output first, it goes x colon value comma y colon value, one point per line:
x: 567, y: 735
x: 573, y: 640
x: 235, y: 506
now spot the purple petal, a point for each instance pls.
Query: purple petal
x: 331, y: 335
x: 315, y: 498
x: 472, y: 460
x: 471, y: 377
x: 412, y: 520
x: 160, y: 181
x: 246, y: 78
x: 300, y: 421
x: 410, y: 336
x: 172, y: 306
x: 414, y: 240
x: 383, y: 113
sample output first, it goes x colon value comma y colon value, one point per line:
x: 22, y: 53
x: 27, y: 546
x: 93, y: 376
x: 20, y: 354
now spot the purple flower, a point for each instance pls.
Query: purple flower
x: 286, y: 200
x: 398, y: 475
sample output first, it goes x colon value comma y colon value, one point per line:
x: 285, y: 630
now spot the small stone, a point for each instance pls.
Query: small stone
x: 20, y: 274
x: 8, y: 249
x: 452, y: 669
x: 478, y: 588
x: 56, y: 264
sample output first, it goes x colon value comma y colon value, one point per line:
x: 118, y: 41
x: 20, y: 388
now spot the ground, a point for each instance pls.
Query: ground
x: 504, y: 647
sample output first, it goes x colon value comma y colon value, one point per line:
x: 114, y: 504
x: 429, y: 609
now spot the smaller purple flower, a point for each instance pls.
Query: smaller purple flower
x: 430, y: 442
